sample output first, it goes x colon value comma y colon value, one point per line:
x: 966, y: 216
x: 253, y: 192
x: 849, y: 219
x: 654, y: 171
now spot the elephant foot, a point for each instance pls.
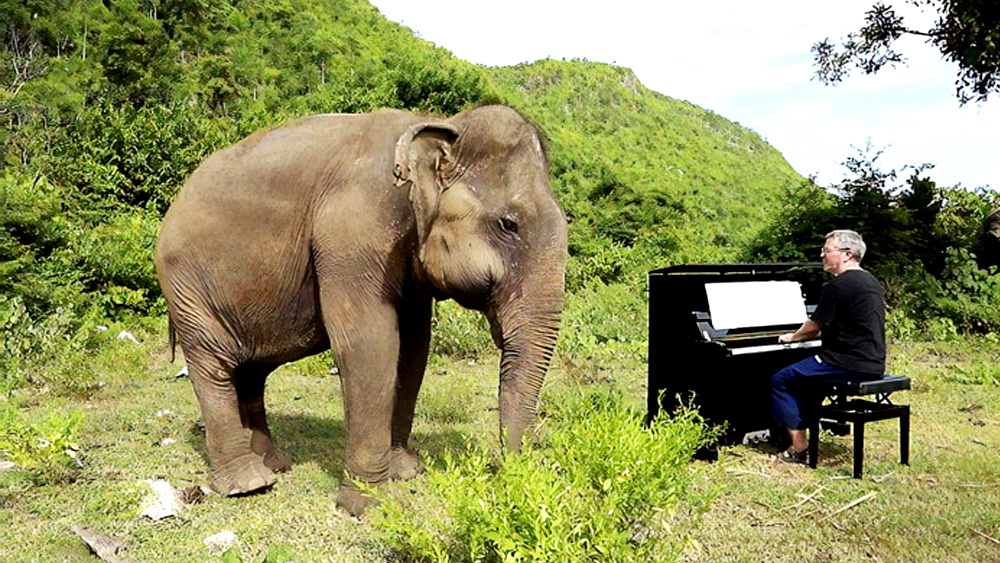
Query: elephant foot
x: 241, y: 475
x: 404, y: 464
x: 277, y: 460
x: 352, y: 500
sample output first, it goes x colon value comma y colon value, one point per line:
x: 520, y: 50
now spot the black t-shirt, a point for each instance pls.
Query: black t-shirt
x: 851, y: 316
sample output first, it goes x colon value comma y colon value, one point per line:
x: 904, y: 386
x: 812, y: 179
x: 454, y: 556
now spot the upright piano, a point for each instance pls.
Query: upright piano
x: 713, y: 338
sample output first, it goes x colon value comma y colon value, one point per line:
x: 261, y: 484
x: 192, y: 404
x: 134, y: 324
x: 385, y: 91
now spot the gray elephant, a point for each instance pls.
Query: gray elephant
x: 338, y: 231
x: 988, y: 241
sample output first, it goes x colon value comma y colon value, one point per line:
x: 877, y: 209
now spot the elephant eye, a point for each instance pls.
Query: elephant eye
x: 508, y: 224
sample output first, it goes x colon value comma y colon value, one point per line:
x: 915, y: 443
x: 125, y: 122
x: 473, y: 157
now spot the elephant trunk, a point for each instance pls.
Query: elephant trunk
x: 525, y: 328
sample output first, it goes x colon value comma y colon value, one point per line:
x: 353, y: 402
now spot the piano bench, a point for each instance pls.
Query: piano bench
x: 843, y: 409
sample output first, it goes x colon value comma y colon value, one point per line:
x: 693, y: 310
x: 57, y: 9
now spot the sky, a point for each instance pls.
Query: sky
x: 749, y: 62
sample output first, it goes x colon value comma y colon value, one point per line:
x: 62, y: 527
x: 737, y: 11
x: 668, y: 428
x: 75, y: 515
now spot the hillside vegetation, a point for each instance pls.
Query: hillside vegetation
x: 106, y: 108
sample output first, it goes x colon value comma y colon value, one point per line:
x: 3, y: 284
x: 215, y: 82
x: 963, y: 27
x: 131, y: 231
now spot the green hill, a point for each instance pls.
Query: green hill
x: 109, y: 109
x: 657, y: 180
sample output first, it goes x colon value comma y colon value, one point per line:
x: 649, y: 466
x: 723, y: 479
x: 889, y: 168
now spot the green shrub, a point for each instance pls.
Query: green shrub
x: 459, y: 333
x: 46, y: 448
x: 118, y: 260
x: 600, y: 486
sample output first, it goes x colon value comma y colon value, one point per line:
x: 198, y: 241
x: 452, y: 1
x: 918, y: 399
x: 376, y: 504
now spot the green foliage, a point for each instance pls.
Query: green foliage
x: 47, y: 448
x: 458, y: 332
x: 601, y: 487
x: 646, y: 181
x: 918, y: 235
x: 602, y: 325
x: 967, y: 32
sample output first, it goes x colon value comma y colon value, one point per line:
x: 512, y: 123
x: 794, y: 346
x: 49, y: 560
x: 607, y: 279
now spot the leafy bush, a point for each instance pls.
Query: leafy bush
x: 117, y: 258
x: 47, y: 448
x: 459, y: 333
x: 919, y: 239
x: 600, y: 487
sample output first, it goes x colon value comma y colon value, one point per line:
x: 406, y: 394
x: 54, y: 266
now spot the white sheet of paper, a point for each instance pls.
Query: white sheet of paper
x: 755, y: 303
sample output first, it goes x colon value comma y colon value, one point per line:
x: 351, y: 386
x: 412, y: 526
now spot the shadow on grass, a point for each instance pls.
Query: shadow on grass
x: 322, y: 441
x: 831, y: 454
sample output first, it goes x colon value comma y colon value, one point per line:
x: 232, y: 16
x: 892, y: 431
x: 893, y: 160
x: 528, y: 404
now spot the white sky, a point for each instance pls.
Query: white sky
x: 749, y: 62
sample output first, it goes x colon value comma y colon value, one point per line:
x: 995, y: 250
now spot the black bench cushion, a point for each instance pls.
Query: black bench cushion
x: 888, y: 384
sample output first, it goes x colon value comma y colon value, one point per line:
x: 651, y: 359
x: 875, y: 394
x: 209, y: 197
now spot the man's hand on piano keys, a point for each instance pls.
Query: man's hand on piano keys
x: 787, y: 338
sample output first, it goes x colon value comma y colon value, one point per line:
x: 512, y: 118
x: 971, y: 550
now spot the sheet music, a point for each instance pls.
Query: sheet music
x: 755, y: 303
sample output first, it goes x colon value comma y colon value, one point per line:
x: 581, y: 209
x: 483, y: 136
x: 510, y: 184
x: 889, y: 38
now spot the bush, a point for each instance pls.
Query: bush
x: 46, y: 448
x: 600, y: 487
x: 459, y: 333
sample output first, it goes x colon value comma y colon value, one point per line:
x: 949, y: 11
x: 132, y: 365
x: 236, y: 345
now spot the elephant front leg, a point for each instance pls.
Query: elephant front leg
x: 365, y: 339
x: 236, y: 467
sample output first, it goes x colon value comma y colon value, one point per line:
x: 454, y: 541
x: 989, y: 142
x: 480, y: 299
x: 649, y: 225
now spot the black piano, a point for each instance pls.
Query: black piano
x: 713, y: 338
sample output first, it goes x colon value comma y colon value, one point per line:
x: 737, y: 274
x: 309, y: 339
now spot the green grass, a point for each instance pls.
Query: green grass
x: 944, y: 507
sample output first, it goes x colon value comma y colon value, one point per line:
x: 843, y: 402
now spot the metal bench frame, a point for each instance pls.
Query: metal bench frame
x: 843, y: 409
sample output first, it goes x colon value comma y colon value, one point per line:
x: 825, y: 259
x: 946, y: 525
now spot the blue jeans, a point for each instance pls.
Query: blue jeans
x: 791, y: 400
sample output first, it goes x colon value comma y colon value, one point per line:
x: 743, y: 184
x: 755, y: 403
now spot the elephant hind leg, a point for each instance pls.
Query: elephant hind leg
x: 250, y: 394
x: 236, y: 467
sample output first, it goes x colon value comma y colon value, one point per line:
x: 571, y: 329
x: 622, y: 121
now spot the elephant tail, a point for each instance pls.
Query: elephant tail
x: 172, y: 335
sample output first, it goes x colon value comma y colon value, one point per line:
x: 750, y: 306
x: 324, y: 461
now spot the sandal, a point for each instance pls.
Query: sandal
x: 792, y: 456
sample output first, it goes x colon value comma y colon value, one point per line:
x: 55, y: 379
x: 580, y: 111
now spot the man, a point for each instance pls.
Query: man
x: 850, y: 317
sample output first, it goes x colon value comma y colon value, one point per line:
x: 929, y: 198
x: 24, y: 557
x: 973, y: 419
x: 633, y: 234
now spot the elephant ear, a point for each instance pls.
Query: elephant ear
x: 425, y: 158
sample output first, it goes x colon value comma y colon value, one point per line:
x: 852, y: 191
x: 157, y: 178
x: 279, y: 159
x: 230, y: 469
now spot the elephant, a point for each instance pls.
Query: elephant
x: 987, y: 245
x: 339, y: 231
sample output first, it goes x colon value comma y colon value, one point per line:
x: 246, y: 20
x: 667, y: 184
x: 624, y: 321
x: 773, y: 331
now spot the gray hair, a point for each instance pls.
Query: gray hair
x: 849, y: 240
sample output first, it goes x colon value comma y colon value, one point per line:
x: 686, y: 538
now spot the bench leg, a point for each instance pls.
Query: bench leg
x: 859, y: 448
x: 904, y: 436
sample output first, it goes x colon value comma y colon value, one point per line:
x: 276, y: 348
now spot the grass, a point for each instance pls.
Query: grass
x: 943, y: 507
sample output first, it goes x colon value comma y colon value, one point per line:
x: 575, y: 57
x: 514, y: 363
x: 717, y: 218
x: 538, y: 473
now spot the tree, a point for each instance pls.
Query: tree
x: 967, y: 32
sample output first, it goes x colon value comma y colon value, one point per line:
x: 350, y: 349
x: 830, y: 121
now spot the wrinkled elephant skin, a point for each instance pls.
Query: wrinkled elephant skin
x: 338, y: 231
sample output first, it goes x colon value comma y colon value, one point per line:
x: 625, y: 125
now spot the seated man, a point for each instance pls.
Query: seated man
x: 851, y: 318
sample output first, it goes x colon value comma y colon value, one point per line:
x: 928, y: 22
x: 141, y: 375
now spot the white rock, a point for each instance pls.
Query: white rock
x: 167, y: 441
x: 7, y: 466
x: 220, y: 542
x: 164, y: 502
x: 127, y: 335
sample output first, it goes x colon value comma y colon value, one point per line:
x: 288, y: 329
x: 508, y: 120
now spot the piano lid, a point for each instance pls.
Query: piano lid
x: 745, y: 268
x: 745, y: 304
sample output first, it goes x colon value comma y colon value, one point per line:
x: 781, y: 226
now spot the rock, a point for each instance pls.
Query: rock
x: 126, y: 335
x: 164, y: 502
x: 7, y: 466
x: 104, y: 546
x: 221, y: 542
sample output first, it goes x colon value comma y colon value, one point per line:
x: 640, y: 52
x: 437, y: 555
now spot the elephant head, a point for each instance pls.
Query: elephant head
x: 988, y: 241
x: 491, y: 236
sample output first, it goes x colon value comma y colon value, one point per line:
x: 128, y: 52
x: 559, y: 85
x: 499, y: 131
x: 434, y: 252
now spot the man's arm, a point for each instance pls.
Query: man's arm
x: 808, y: 331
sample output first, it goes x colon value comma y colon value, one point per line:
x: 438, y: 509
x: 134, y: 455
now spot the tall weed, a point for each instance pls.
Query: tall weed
x: 46, y: 448
x: 600, y: 486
